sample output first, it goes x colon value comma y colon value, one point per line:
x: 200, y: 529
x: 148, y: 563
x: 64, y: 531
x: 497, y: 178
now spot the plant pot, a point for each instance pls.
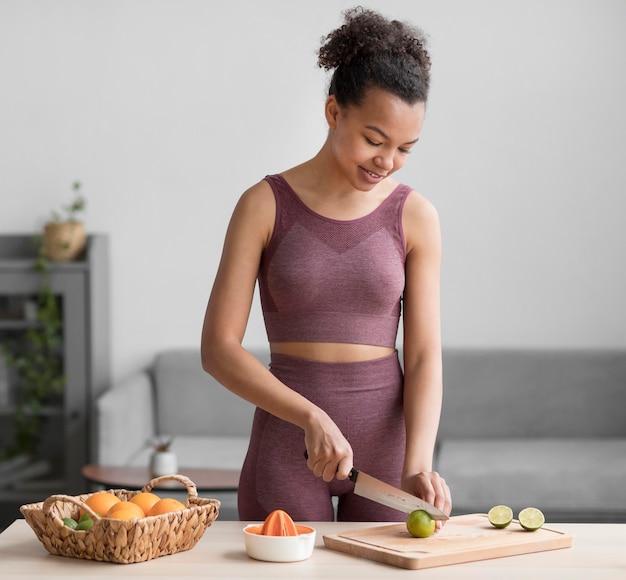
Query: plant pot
x: 63, y: 241
x: 163, y: 463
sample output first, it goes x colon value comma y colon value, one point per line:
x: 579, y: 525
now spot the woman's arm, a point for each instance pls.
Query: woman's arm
x: 423, y: 383
x: 226, y: 318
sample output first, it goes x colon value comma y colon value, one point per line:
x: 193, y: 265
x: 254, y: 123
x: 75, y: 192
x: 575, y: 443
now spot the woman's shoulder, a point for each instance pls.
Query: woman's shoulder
x: 256, y: 208
x: 257, y: 197
x: 418, y: 207
x: 420, y: 219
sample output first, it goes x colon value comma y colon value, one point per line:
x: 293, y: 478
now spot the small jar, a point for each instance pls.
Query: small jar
x: 163, y: 463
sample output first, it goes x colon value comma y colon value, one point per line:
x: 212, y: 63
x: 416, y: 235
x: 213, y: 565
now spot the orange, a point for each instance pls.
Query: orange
x: 125, y: 506
x: 165, y: 506
x: 100, y: 502
x: 124, y: 514
x: 145, y: 500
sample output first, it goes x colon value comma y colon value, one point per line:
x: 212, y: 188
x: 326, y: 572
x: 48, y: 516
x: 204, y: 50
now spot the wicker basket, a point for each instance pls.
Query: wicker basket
x: 63, y: 241
x: 121, y: 541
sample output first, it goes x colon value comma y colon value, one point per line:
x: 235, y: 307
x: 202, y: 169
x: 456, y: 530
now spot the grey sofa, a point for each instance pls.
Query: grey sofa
x: 525, y: 428
x: 210, y: 426
x: 535, y: 428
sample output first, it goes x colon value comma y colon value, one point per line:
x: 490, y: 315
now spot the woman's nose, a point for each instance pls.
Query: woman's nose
x: 384, y: 161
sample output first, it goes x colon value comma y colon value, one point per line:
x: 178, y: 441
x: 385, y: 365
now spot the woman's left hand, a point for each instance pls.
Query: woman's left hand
x: 432, y: 488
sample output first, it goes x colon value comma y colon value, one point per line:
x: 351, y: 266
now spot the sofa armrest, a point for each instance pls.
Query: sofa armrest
x: 124, y: 419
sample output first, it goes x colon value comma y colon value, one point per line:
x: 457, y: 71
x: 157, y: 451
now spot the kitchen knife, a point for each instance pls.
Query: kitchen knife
x: 385, y: 494
x: 375, y: 490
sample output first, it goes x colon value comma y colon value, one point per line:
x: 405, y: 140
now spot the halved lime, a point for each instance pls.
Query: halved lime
x: 531, y: 519
x: 500, y: 516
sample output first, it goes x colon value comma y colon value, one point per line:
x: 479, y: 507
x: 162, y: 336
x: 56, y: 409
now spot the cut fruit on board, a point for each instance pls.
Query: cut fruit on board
x: 531, y: 519
x: 466, y: 538
x: 500, y: 516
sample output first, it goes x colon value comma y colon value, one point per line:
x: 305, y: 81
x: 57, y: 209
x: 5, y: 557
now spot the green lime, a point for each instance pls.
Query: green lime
x: 85, y: 523
x: 420, y: 524
x: 531, y: 519
x: 70, y: 523
x: 500, y: 516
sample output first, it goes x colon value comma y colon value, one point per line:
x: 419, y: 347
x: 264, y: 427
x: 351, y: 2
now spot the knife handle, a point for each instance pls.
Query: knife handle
x: 354, y: 472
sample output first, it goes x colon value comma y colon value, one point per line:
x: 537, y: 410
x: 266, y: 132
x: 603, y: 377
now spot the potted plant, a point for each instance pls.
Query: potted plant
x: 64, y: 235
x: 33, y: 355
x: 163, y: 461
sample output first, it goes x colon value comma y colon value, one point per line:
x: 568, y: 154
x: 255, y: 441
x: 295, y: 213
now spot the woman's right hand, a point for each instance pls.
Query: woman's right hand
x: 329, y: 455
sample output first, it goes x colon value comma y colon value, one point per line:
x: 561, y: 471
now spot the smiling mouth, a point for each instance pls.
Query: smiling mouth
x: 375, y: 175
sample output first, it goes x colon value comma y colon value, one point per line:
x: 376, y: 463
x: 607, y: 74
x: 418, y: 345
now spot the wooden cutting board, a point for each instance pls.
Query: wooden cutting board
x: 465, y: 538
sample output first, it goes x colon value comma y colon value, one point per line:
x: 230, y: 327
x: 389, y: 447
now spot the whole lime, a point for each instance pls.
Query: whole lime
x: 84, y: 524
x: 70, y: 523
x: 420, y: 524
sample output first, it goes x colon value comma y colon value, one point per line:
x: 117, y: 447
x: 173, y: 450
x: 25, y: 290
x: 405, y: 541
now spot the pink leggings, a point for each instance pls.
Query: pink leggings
x: 365, y: 401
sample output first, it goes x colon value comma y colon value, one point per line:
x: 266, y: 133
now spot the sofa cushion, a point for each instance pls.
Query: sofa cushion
x: 202, y: 452
x: 533, y: 393
x: 555, y: 475
x: 191, y: 402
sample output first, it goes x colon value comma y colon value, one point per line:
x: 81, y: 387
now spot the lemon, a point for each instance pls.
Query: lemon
x: 500, y: 516
x: 420, y: 524
x: 531, y: 519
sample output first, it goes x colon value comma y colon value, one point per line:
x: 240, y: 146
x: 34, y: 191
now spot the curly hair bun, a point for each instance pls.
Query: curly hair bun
x: 366, y: 32
x: 371, y: 50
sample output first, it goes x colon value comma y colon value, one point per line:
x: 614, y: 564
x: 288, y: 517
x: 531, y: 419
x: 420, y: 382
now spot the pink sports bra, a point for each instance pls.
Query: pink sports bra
x: 327, y: 280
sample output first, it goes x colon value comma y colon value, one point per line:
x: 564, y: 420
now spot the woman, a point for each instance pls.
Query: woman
x: 337, y: 245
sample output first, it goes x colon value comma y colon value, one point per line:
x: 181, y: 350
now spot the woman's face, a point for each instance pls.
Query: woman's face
x: 373, y: 140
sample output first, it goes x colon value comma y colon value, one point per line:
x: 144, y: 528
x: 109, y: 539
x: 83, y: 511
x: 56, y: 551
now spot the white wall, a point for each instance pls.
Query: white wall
x: 168, y: 109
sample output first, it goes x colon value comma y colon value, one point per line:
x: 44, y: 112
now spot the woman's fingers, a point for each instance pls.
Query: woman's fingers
x: 431, y: 487
x: 330, y: 464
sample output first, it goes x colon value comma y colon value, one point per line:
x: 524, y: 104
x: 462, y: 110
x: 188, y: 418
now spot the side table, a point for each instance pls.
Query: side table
x: 206, y: 480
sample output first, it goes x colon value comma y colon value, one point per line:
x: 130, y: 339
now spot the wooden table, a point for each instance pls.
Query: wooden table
x: 206, y: 480
x: 599, y: 552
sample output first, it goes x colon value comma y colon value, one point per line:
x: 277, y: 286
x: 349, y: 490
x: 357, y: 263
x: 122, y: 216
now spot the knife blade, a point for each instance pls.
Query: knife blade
x: 376, y: 490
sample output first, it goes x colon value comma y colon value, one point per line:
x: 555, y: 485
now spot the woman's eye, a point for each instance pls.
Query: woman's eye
x: 372, y: 142
x: 405, y: 151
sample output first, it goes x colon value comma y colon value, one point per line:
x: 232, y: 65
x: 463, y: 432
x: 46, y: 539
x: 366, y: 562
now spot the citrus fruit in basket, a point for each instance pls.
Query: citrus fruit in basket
x: 100, y: 502
x: 500, y: 516
x: 125, y: 510
x: 84, y: 523
x: 420, y: 524
x: 531, y: 519
x: 70, y: 523
x: 166, y: 506
x: 145, y: 500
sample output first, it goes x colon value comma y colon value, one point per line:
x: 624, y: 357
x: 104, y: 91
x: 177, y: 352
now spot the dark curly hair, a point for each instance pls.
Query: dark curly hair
x: 370, y: 51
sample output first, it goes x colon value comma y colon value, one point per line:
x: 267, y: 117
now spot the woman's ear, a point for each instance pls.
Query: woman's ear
x: 331, y: 111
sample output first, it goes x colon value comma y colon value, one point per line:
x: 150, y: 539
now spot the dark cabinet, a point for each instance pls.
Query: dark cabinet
x: 82, y: 290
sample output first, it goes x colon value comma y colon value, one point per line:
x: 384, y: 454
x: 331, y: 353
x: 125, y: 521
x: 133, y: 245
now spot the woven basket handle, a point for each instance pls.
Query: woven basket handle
x: 53, y: 499
x: 192, y: 492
